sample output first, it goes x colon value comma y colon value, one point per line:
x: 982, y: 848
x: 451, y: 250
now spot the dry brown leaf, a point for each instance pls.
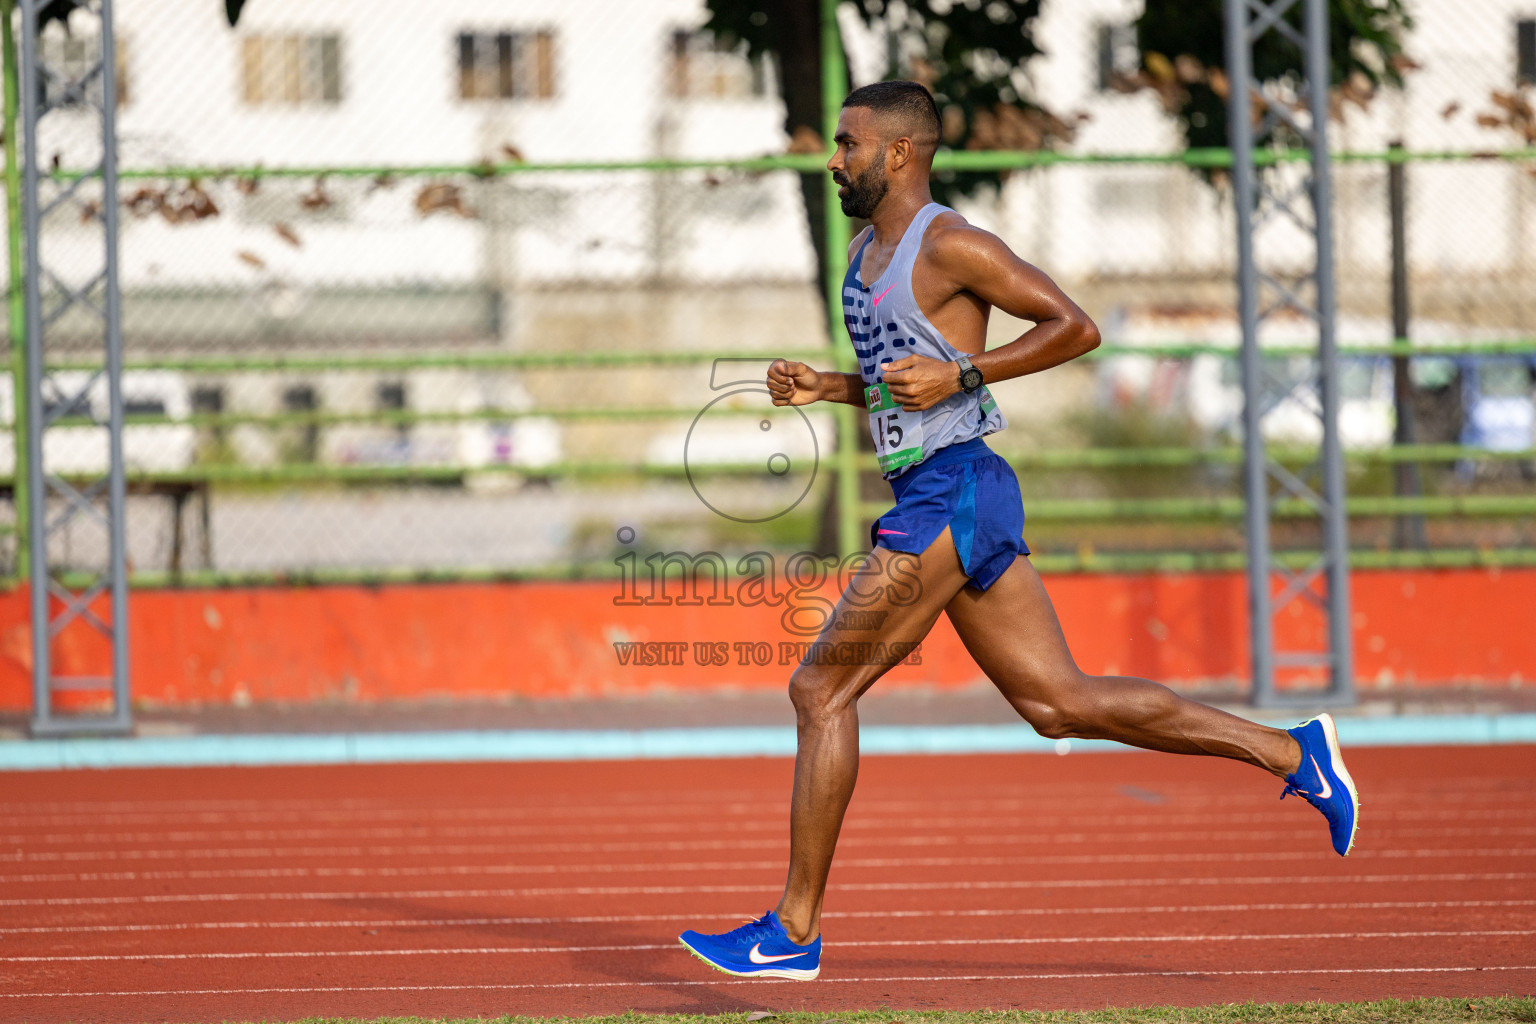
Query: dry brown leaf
x: 1358, y: 89
x: 248, y: 186
x: 1160, y: 68
x: 89, y: 211
x: 250, y: 258
x: 925, y: 72
x: 442, y: 196
x: 1217, y: 80
x: 381, y: 181
x: 191, y: 203
x: 144, y: 201
x: 315, y: 198
x: 1506, y: 101
x: 805, y: 140
x: 287, y: 234
x: 197, y: 203
x: 1402, y: 64
x: 1127, y: 84
x: 1489, y: 121
x: 512, y: 153
x: 1449, y: 110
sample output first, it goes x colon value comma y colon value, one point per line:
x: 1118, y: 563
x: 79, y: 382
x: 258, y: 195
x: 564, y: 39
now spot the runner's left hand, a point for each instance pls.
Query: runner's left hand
x: 918, y: 382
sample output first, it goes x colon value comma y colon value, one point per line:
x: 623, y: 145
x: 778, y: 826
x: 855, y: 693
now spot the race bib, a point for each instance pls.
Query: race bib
x: 987, y: 405
x: 898, y: 434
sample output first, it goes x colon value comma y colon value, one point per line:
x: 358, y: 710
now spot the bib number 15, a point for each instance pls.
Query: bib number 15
x: 898, y: 434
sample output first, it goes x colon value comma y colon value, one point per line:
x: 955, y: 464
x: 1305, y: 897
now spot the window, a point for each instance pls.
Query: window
x: 703, y: 67
x: 143, y: 405
x: 292, y: 69
x: 506, y: 65
x: 1119, y: 55
x: 1525, y: 52
x: 208, y: 400
x: 71, y: 59
x: 390, y: 396
x: 302, y: 445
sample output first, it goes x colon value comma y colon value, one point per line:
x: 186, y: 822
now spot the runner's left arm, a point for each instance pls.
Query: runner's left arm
x: 968, y: 259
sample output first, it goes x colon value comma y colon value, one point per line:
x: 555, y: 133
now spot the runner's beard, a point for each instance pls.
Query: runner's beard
x: 865, y: 192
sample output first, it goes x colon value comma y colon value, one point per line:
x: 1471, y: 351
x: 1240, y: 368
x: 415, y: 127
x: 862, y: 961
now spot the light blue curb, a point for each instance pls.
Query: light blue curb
x: 624, y: 745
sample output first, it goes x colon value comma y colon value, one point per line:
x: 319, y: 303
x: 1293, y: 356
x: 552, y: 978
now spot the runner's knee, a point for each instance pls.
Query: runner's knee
x: 816, y: 692
x: 1059, y: 714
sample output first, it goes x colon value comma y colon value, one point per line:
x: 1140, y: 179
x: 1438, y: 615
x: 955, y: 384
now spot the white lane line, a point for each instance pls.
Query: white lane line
x: 710, y: 811
x: 674, y: 890
x: 618, y: 797
x: 1011, y: 839
x: 1069, y: 940
x: 477, y: 922
x: 1115, y: 824
x: 913, y: 978
x: 663, y: 867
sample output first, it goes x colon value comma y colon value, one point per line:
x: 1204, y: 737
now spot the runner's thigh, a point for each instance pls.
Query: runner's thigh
x: 1012, y: 631
x: 893, y: 600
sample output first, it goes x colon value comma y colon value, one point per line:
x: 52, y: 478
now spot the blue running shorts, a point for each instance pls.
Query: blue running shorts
x: 968, y: 488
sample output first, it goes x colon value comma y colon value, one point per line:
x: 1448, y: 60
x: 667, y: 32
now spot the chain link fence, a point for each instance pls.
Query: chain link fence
x: 439, y: 288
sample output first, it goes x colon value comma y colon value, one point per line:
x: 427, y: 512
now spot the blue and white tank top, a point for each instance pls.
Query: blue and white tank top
x: 885, y: 324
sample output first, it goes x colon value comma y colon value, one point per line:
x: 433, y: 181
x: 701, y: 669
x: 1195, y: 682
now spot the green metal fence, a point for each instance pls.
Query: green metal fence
x: 1157, y: 495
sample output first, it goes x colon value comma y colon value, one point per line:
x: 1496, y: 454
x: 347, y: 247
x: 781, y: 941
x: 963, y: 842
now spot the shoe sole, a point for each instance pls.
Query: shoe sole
x: 1336, y: 758
x: 786, y: 973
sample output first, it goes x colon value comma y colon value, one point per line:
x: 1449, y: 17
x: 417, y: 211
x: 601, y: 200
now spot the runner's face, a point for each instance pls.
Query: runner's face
x: 858, y: 165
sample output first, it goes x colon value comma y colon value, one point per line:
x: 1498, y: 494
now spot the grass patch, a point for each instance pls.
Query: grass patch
x: 1500, y: 1009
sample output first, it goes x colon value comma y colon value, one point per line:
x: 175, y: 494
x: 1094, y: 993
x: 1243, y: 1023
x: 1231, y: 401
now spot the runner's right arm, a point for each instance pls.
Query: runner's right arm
x: 791, y: 383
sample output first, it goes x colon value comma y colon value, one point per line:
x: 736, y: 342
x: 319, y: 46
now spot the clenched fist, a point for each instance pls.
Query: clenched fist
x: 918, y: 382
x: 791, y: 383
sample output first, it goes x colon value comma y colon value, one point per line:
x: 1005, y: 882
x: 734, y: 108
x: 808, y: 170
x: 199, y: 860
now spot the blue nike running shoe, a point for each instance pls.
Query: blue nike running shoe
x: 758, y: 949
x: 1322, y: 780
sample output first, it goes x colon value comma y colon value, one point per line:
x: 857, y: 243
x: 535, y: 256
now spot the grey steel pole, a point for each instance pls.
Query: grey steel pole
x: 37, y: 506
x: 116, y: 482
x: 1409, y: 529
x: 1255, y: 473
x: 1336, y: 520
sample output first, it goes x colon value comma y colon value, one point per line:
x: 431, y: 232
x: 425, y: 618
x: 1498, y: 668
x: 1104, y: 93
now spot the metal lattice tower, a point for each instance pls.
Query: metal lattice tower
x: 1321, y: 581
x: 76, y: 310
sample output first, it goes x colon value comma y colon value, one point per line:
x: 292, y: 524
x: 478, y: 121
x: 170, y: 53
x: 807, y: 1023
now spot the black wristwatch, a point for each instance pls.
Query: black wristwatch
x: 970, y: 377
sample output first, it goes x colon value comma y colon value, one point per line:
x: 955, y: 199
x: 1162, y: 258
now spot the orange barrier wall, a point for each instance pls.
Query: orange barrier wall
x: 1471, y: 627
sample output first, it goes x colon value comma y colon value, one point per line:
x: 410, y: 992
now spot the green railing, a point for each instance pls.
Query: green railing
x: 846, y: 463
x: 1172, y: 511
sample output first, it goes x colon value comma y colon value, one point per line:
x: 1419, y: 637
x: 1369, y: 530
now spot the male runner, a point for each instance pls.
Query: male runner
x: 919, y: 287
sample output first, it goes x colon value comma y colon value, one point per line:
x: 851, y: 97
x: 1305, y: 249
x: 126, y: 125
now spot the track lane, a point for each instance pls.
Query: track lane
x: 1046, y: 881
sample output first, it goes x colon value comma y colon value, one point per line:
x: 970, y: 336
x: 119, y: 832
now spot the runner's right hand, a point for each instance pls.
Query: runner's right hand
x: 791, y: 383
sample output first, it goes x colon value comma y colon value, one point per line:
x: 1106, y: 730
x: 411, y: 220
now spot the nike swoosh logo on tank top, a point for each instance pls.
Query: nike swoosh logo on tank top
x: 888, y: 325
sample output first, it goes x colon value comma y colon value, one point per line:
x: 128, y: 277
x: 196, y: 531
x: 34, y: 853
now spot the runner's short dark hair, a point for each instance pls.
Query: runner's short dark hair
x: 907, y: 104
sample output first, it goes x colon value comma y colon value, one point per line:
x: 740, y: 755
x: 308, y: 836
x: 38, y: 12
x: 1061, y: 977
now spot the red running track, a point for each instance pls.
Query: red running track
x: 962, y: 882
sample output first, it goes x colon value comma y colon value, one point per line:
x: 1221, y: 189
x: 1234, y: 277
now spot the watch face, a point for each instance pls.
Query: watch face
x: 970, y: 380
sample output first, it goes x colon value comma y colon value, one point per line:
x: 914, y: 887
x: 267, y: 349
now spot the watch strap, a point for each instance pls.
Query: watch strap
x: 965, y: 368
